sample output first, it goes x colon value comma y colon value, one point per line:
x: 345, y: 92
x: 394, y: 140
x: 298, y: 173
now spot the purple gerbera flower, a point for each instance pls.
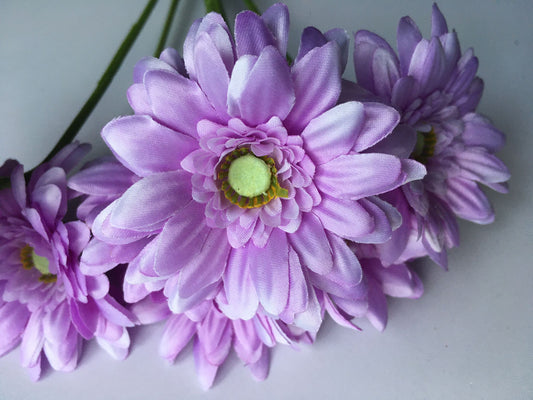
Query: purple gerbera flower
x: 436, y: 91
x: 46, y: 303
x: 250, y: 175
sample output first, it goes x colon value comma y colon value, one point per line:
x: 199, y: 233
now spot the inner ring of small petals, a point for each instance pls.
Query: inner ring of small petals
x: 425, y: 146
x: 253, y: 189
x: 30, y: 259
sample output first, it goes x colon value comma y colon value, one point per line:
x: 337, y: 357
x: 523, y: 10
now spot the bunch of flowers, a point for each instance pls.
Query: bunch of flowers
x: 249, y: 195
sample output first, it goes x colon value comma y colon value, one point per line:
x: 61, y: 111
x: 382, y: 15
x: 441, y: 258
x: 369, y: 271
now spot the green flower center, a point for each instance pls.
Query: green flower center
x: 425, y: 146
x: 249, y: 181
x: 30, y: 260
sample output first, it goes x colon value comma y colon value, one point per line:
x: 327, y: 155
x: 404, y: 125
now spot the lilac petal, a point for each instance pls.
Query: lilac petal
x: 269, y: 268
x: 385, y: 71
x: 477, y: 164
x: 317, y: 84
x: 346, y: 218
x: 480, y: 132
x: 378, y: 122
x: 181, y: 239
x: 148, y: 310
x: 179, y: 330
x: 468, y: 201
x: 85, y: 317
x: 386, y: 219
x: 103, y: 230
x: 408, y: 36
x: 205, y: 370
x: 174, y: 59
x: 114, y: 312
x: 261, y: 367
x: 177, y: 102
x: 340, y: 36
x: 146, y: 64
x: 399, y: 281
x: 179, y: 304
x: 400, y: 143
x: 70, y: 156
x: 263, y: 90
x: 215, y: 334
x: 438, y: 22
x: 63, y: 355
x: 338, y: 316
x: 366, y: 45
x: 276, y: 18
x: 13, y: 319
x: 311, y: 319
x: 211, y: 73
x: 18, y: 185
x: 311, y: 38
x: 47, y: 199
x: 359, y: 175
x: 251, y: 34
x: 151, y: 201
x: 57, y: 323
x: 242, y: 300
x: 99, y: 257
x: 404, y: 92
x: 138, y: 99
x: 334, y: 132
x: 116, y: 348
x: 311, y: 244
x: 298, y: 293
x: 207, y: 268
x: 377, y: 312
x: 102, y: 179
x: 427, y: 65
x: 146, y: 147
x: 32, y: 340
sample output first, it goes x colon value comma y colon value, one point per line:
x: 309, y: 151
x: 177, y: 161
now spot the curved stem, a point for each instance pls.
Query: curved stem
x: 166, y: 28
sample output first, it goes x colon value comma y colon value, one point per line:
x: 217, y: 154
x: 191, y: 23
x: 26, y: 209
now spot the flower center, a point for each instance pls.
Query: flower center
x: 425, y: 146
x: 249, y: 181
x: 30, y: 260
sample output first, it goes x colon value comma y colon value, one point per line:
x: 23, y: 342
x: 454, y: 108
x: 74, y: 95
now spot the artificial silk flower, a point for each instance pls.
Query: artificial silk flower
x: 214, y: 335
x: 47, y: 305
x: 251, y: 177
x: 436, y: 91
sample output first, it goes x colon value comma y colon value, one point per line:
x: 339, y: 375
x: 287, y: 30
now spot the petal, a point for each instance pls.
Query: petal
x: 346, y: 218
x: 251, y: 34
x: 438, y: 23
x: 207, y: 268
x: 378, y: 122
x: 146, y: 147
x: 311, y: 244
x: 334, y: 132
x: 102, y: 179
x: 317, y: 84
x: 263, y: 90
x: 177, y: 102
x: 242, y: 300
x: 477, y: 164
x: 179, y: 330
x: 468, y: 201
x: 408, y: 38
x: 180, y: 240
x: 13, y: 319
x: 276, y: 18
x: 480, y: 132
x: 269, y: 268
x: 359, y: 175
x: 151, y: 201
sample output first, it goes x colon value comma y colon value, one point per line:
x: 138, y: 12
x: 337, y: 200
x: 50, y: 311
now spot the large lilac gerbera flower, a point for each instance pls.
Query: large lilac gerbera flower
x: 436, y: 91
x: 251, y: 176
x: 46, y: 303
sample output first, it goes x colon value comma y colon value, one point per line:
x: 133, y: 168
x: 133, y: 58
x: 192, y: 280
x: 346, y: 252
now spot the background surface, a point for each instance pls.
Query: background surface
x: 469, y: 336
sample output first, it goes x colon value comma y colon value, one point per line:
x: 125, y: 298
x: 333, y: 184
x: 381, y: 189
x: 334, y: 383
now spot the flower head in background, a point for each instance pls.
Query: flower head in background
x: 436, y: 91
x: 251, y: 177
x: 46, y: 303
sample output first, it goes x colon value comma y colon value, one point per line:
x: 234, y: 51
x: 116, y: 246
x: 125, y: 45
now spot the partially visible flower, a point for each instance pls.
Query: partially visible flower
x: 250, y: 176
x: 46, y: 303
x: 214, y: 335
x: 436, y: 91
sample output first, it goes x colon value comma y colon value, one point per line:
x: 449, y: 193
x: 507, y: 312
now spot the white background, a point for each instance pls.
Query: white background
x: 470, y: 335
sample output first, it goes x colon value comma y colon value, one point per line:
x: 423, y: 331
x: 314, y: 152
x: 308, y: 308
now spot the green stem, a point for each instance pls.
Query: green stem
x: 216, y: 6
x: 103, y: 83
x: 250, y: 5
x: 166, y: 28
